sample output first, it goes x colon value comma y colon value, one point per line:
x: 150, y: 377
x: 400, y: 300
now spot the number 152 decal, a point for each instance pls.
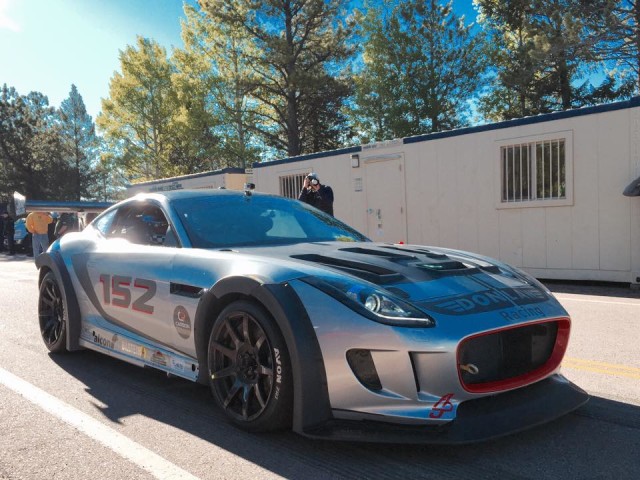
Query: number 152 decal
x: 117, y: 291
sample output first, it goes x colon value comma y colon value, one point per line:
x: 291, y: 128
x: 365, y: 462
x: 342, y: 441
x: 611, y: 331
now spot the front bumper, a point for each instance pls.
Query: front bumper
x: 477, y: 420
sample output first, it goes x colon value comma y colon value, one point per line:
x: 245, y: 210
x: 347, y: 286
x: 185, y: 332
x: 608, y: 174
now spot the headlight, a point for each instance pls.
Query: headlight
x: 372, y: 302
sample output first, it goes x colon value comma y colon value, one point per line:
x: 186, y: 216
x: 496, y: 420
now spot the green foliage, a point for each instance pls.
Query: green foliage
x: 136, y: 118
x: 110, y: 181
x: 518, y: 88
x: 422, y: 66
x: 258, y: 79
x: 614, y: 36
x: 293, y: 46
x: 543, y: 51
x: 81, y: 144
x: 212, y: 66
x: 31, y: 146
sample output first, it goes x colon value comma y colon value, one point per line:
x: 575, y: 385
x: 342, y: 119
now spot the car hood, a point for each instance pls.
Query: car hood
x: 437, y: 279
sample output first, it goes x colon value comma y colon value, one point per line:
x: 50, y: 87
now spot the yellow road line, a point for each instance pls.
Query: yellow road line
x: 601, y: 367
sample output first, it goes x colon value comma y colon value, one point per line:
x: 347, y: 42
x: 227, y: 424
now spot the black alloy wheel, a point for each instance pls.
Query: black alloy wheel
x: 249, y: 368
x: 51, y: 314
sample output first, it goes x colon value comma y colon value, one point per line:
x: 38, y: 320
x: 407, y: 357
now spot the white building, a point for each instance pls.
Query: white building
x: 231, y: 178
x: 542, y: 193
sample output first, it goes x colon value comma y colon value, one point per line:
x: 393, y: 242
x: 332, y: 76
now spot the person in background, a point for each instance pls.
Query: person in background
x: 66, y: 223
x: 87, y: 219
x: 9, y: 231
x: 38, y: 225
x: 52, y: 227
x: 316, y: 194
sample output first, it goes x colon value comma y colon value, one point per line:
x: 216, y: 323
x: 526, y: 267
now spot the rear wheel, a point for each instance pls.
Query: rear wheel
x: 250, y: 369
x: 51, y: 313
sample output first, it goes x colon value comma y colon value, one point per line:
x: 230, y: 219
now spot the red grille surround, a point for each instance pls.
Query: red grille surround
x: 496, y: 382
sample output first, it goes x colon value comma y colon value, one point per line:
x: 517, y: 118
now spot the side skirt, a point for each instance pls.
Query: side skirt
x: 138, y: 352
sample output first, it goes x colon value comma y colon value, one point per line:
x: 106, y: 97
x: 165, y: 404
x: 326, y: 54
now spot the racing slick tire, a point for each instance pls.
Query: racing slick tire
x: 249, y: 368
x: 52, y: 314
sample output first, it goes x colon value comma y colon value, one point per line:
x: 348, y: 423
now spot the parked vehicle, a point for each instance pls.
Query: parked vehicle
x: 22, y: 238
x: 295, y: 320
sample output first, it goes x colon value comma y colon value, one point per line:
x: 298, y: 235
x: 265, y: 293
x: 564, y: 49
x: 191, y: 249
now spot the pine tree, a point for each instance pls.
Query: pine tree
x: 422, y: 66
x: 542, y: 56
x: 520, y: 87
x: 136, y: 118
x: 295, y: 45
x: 614, y: 36
x: 212, y: 66
x: 81, y: 142
x: 31, y: 147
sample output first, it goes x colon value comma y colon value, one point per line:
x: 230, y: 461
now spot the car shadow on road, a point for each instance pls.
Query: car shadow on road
x: 599, y: 440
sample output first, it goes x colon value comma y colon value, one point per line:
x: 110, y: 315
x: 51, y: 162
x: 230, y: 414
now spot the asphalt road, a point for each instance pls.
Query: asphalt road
x: 84, y: 415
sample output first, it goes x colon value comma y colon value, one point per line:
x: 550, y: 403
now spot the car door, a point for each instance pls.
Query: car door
x: 127, y: 275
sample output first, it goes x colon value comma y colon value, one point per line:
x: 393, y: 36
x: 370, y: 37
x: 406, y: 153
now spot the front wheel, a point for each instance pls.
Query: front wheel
x: 51, y: 314
x: 250, y: 369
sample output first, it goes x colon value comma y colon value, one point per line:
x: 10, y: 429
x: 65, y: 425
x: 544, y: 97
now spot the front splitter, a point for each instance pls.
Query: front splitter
x: 477, y: 420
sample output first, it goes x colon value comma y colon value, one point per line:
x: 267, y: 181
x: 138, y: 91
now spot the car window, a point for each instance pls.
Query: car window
x: 103, y: 223
x: 285, y: 224
x: 233, y: 220
x: 141, y: 223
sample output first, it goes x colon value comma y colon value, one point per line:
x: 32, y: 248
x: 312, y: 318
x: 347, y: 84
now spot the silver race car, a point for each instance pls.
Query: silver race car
x: 295, y: 320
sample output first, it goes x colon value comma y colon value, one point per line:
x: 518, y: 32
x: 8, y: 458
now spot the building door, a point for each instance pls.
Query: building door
x: 386, y: 201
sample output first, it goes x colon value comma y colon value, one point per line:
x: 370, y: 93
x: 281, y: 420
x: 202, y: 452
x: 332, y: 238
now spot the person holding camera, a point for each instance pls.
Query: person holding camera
x: 316, y: 194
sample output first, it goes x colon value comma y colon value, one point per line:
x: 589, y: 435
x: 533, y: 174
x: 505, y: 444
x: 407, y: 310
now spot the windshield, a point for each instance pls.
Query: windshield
x: 225, y: 221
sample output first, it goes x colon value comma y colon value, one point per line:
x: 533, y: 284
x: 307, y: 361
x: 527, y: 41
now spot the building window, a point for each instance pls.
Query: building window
x: 534, y: 171
x: 290, y: 185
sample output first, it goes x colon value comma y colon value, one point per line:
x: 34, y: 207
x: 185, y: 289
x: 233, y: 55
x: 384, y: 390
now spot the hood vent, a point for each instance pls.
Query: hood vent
x: 446, y: 266
x: 421, y: 251
x: 380, y: 253
x: 371, y: 273
x: 477, y: 263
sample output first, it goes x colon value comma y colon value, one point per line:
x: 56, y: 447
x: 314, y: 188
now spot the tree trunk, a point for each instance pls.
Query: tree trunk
x: 293, y: 129
x: 565, y: 84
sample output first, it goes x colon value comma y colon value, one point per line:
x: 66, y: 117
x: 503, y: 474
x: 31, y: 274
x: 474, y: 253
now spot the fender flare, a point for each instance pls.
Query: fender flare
x: 311, y: 406
x: 53, y: 261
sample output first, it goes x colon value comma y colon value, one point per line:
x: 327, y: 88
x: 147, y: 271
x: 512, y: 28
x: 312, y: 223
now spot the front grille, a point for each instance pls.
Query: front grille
x: 512, y: 357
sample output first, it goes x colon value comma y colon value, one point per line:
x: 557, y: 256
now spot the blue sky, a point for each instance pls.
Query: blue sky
x: 47, y: 45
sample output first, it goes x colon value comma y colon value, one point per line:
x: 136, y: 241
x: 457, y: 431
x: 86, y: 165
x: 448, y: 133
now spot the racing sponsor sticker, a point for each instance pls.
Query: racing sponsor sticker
x: 488, y: 300
x: 131, y: 348
x: 182, y: 322
x: 444, y: 408
x: 159, y: 358
x: 522, y: 313
x: 104, y: 341
x: 177, y: 365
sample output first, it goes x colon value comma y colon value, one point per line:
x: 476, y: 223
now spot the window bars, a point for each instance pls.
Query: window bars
x: 290, y: 185
x: 533, y: 171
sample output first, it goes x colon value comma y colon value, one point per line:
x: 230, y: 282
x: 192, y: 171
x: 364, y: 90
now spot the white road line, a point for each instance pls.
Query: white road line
x: 635, y: 304
x: 110, y: 438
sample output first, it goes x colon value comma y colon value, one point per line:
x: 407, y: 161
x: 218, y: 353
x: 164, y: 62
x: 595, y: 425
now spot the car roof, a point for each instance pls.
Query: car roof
x: 186, y: 194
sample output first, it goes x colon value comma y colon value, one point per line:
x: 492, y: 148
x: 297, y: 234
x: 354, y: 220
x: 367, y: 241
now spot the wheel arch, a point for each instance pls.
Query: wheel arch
x: 311, y: 406
x: 52, y: 262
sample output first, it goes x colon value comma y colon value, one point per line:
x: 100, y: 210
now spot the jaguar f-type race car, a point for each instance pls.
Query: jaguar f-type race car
x: 295, y: 320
